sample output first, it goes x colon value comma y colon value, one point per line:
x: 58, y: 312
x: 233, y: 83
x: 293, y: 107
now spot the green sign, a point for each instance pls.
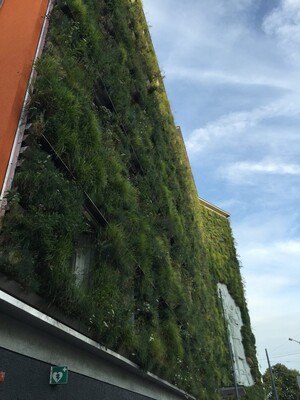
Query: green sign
x: 58, y: 375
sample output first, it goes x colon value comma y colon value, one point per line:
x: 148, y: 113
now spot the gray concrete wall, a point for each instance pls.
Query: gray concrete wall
x: 31, y: 342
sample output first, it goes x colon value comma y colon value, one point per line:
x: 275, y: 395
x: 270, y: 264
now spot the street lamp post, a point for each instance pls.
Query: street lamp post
x: 298, y: 377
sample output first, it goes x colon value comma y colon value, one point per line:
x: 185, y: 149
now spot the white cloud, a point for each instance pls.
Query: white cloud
x: 274, y: 255
x: 230, y: 203
x: 291, y: 247
x: 240, y: 172
x: 268, y: 167
x: 273, y: 300
x: 270, y: 257
x: 236, y: 123
x: 284, y: 24
x: 261, y: 227
x: 216, y: 77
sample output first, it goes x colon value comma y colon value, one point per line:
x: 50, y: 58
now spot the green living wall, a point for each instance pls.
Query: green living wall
x: 101, y: 128
x: 224, y: 268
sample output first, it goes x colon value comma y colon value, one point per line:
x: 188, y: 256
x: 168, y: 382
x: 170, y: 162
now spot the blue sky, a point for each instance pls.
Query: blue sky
x: 232, y: 72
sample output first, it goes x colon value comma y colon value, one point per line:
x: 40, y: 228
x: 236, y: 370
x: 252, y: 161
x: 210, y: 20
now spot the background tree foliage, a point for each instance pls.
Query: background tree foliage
x: 285, y: 382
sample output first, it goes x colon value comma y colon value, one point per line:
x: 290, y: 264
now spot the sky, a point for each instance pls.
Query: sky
x: 232, y: 74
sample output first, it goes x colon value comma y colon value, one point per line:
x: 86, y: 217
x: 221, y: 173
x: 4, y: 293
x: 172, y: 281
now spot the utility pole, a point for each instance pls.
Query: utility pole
x: 237, y: 396
x: 272, y: 377
x: 298, y: 377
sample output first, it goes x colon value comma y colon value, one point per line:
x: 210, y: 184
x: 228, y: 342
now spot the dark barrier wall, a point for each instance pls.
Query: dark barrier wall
x: 28, y: 379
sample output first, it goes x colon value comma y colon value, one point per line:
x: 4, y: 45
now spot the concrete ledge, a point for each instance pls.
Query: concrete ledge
x: 29, y: 332
x: 214, y: 208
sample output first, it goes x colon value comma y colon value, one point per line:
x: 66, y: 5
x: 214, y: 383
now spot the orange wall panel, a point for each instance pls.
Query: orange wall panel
x: 21, y: 23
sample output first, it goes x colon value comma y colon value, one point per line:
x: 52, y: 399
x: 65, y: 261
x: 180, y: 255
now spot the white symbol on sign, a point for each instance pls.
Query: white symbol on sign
x: 57, y: 376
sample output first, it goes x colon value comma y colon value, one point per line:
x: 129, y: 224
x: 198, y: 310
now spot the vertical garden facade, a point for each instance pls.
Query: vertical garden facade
x: 103, y: 219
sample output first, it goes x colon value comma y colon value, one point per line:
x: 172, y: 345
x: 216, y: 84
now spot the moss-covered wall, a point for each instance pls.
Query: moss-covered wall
x: 151, y: 291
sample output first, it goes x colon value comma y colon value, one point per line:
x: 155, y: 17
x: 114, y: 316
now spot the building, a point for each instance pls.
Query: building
x: 110, y: 263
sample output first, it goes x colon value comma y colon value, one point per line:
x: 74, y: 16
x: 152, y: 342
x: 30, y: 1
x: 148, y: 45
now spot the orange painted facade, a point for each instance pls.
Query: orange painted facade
x: 21, y: 23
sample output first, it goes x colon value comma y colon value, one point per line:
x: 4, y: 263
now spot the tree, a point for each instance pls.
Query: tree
x: 285, y: 382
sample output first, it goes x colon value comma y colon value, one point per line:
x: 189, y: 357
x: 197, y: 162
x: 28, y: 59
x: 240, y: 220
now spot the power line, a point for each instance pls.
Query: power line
x: 277, y: 347
x: 286, y: 355
x: 281, y: 356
